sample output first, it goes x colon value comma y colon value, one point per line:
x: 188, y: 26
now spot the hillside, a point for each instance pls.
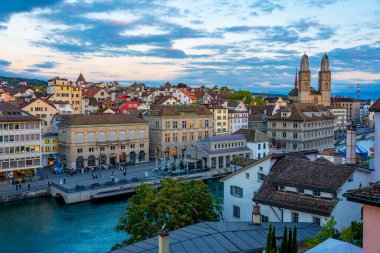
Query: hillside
x: 14, y: 81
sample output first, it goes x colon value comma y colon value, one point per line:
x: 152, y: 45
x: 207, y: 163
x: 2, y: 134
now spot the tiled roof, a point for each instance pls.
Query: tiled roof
x: 99, y: 119
x: 223, y: 237
x: 90, y: 92
x: 220, y: 138
x: 375, y: 107
x: 178, y: 110
x: 243, y: 161
x: 159, y: 100
x: 10, y: 113
x: 260, y: 109
x: 343, y: 99
x: 298, y: 111
x: 305, y: 174
x: 369, y: 195
x: 80, y: 78
x: 253, y: 135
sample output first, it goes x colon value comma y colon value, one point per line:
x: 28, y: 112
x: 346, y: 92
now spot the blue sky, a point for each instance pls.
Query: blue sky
x: 255, y: 45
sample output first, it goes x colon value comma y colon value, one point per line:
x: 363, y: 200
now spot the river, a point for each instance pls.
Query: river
x: 44, y: 225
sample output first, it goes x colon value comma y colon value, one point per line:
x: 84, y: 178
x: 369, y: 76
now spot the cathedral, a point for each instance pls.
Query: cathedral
x: 303, y: 92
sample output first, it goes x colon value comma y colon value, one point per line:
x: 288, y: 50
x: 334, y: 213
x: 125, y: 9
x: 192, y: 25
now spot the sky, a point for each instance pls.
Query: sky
x: 253, y: 45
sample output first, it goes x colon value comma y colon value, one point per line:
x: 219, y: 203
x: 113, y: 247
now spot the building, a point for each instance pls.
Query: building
x: 277, y: 101
x: 173, y: 128
x: 300, y: 190
x: 63, y: 107
x: 43, y: 110
x: 340, y: 114
x: 90, y: 140
x: 303, y: 92
x: 369, y: 197
x: 245, y: 180
x: 220, y: 118
x: 217, y: 152
x: 184, y: 96
x: 64, y: 90
x: 20, y: 142
x: 166, y: 100
x: 301, y: 126
x: 258, y: 116
x: 352, y: 107
x: 237, y: 115
x: 49, y: 147
x: 219, y: 237
x: 375, y: 108
x: 257, y: 141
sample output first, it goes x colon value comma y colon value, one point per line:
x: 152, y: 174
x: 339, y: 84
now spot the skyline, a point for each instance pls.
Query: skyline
x: 255, y: 46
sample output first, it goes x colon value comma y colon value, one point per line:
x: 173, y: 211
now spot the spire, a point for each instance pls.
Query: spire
x: 296, y: 80
x: 325, y: 63
x: 304, y: 63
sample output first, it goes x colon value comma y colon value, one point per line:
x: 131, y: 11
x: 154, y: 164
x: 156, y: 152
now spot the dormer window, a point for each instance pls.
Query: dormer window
x: 301, y: 190
x: 281, y: 187
x: 316, y: 193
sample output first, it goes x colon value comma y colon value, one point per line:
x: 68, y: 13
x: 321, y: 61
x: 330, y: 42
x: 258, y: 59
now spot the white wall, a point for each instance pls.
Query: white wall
x: 255, y: 152
x: 249, y: 185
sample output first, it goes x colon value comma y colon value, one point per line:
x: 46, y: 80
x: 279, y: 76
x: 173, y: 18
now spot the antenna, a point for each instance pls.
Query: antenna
x: 358, y: 92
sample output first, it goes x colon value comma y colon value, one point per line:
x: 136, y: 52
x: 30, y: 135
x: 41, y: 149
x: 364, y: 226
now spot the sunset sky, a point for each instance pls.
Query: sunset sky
x: 255, y: 45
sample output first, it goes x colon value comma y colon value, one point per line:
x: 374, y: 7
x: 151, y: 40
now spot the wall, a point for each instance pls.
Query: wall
x: 371, y: 226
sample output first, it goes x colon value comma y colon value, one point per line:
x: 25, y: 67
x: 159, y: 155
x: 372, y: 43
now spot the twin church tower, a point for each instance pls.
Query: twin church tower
x: 303, y: 92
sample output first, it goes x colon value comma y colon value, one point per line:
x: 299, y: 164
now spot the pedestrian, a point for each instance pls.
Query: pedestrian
x: 28, y: 187
x: 20, y: 186
x: 64, y: 180
x: 16, y: 187
x: 112, y: 172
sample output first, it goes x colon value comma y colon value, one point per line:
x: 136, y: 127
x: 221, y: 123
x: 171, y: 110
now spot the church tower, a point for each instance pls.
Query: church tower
x: 304, y: 80
x: 324, y: 81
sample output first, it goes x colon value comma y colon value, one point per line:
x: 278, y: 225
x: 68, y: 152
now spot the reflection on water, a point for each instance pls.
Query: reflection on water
x: 44, y: 225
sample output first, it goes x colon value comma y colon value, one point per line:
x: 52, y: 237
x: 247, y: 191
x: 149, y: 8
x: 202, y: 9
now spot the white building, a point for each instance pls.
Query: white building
x: 340, y: 114
x: 63, y: 107
x: 375, y: 108
x: 184, y: 96
x: 20, y: 142
x: 257, y: 141
x: 245, y: 181
x: 300, y: 190
x: 237, y: 115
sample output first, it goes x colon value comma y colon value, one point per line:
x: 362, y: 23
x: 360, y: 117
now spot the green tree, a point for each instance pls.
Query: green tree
x: 224, y: 89
x: 354, y: 233
x: 273, y: 240
x: 289, y: 244
x: 269, y: 239
x: 182, y: 85
x: 242, y: 95
x: 215, y: 88
x: 176, y: 204
x: 294, y: 243
x: 328, y: 231
x: 284, y: 241
x: 258, y: 101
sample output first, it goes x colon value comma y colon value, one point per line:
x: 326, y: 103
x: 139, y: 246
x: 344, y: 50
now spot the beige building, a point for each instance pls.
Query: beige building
x: 220, y: 117
x: 43, y: 110
x: 91, y: 140
x: 173, y: 128
x: 20, y: 142
x: 351, y: 105
x: 62, y: 89
x: 301, y: 126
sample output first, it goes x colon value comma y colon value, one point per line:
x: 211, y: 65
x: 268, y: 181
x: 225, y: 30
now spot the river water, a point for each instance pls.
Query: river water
x: 44, y: 225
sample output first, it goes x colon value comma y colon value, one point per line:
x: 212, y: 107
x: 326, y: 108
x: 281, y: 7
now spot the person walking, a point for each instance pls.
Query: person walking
x: 28, y: 187
x: 64, y: 180
x: 16, y: 187
x: 19, y: 186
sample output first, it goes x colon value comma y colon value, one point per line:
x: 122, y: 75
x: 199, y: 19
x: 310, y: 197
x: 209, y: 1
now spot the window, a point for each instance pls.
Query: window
x: 317, y: 220
x: 236, y: 211
x: 122, y: 136
x: 167, y: 137
x: 247, y: 175
x: 167, y: 124
x: 206, y: 123
x: 191, y: 136
x: 199, y: 135
x: 101, y: 137
x: 112, y: 136
x: 259, y: 156
x: 264, y: 218
x: 295, y: 136
x: 141, y: 145
x: 132, y: 135
x: 102, y: 148
x: 284, y: 125
x: 300, y: 190
x: 175, y: 136
x: 79, y: 138
x: 273, y: 124
x: 113, y: 147
x: 80, y: 150
x: 281, y: 187
x: 316, y: 193
x: 175, y: 124
x: 206, y: 134
x: 260, y: 177
x: 236, y: 191
x: 264, y: 145
x: 141, y: 134
x: 294, y: 217
x: 184, y: 136
x: 259, y: 146
x: 283, y: 135
x: 191, y: 123
x: 132, y: 145
x: 122, y: 146
x: 157, y: 125
x: 90, y: 149
x: 184, y: 124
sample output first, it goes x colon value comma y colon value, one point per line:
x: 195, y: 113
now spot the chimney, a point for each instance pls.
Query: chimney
x: 351, y: 144
x: 256, y: 215
x: 113, y: 96
x: 163, y: 240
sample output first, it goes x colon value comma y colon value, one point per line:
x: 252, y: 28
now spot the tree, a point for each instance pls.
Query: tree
x: 294, y: 243
x: 177, y: 204
x: 354, y: 233
x: 224, y: 89
x: 269, y: 239
x: 182, y: 85
x: 328, y: 231
x: 289, y: 244
x: 283, y: 247
x: 242, y: 95
x: 258, y: 101
x: 273, y: 240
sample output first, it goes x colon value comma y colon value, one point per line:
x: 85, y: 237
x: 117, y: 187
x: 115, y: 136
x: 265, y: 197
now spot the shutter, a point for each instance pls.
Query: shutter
x: 231, y: 190
x: 241, y: 192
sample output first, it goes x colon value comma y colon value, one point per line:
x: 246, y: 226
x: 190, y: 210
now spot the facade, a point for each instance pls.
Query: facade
x: 217, y: 152
x: 352, y: 107
x: 375, y: 109
x: 64, y: 90
x: 20, y: 142
x: 299, y: 190
x: 257, y: 141
x: 91, y: 140
x: 370, y: 198
x: 63, y: 107
x: 237, y: 115
x: 301, y: 126
x: 340, y: 114
x: 303, y: 92
x: 220, y: 118
x: 49, y: 147
x: 166, y: 100
x: 43, y: 110
x: 173, y: 128
x: 184, y: 96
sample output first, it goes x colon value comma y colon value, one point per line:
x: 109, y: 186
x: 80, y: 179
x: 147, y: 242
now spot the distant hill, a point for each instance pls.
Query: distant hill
x: 14, y: 81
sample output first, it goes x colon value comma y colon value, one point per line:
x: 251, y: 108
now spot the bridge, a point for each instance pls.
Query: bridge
x: 79, y: 193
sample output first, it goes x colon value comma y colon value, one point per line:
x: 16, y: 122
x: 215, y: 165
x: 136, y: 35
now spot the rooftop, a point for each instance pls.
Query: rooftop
x: 369, y: 195
x: 253, y: 135
x: 10, y: 113
x: 99, y: 119
x: 178, y: 110
x: 375, y: 107
x: 221, y: 237
x: 298, y: 112
x: 243, y: 161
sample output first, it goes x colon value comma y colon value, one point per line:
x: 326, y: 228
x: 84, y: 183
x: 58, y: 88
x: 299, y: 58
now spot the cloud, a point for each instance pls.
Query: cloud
x: 45, y: 65
x: 4, y: 63
x: 320, y: 4
x: 8, y: 8
x: 31, y: 70
x: 267, y: 6
x: 167, y: 53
